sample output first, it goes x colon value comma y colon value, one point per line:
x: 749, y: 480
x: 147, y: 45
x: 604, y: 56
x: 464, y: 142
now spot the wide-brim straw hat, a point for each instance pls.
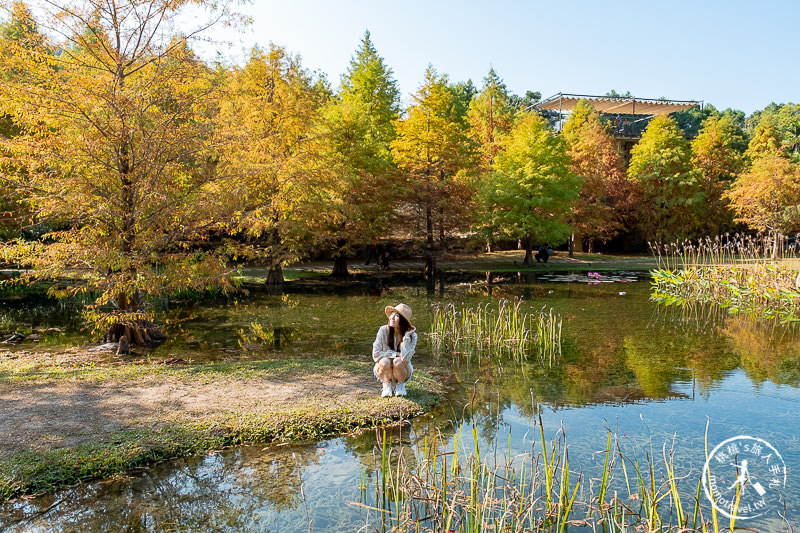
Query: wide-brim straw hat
x: 401, y: 309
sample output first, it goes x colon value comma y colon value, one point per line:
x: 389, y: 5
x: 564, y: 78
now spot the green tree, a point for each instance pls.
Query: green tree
x: 369, y: 84
x: 717, y: 154
x: 275, y: 179
x: 434, y: 152
x: 785, y: 118
x: 531, y: 191
x: 522, y: 103
x: 490, y: 118
x: 117, y: 139
x: 661, y: 167
x: 598, y: 212
x: 358, y: 130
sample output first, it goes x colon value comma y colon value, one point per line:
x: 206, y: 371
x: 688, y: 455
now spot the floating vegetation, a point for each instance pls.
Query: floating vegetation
x: 591, y: 278
x: 503, y: 330
x: 737, y: 273
x: 468, y: 490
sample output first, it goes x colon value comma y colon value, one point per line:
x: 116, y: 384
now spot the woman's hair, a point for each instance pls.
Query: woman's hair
x: 402, y: 325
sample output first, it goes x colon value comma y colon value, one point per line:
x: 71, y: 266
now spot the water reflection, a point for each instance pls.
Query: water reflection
x: 653, y: 374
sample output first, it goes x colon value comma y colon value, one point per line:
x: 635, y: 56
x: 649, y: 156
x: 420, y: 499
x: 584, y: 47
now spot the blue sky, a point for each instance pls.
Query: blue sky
x: 739, y: 54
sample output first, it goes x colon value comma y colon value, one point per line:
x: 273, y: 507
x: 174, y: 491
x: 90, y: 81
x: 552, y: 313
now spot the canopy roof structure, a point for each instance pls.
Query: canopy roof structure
x: 609, y: 105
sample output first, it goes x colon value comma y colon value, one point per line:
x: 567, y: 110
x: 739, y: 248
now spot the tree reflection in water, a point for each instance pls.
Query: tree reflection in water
x: 239, y: 490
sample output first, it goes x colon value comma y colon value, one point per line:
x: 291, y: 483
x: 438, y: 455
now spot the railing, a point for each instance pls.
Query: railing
x: 625, y: 127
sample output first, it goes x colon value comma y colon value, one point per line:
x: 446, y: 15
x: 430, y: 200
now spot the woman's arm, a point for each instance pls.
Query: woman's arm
x: 408, y: 345
x: 379, y: 348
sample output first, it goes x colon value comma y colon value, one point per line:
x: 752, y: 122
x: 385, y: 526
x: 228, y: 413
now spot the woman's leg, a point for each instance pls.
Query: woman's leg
x: 401, y: 371
x: 383, y: 369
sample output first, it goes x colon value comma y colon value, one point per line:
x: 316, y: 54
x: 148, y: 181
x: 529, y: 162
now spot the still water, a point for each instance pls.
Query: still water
x: 657, y: 377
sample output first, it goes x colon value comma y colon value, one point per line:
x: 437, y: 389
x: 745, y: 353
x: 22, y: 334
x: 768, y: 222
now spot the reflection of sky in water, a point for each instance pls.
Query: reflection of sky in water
x: 254, y: 489
x: 655, y: 377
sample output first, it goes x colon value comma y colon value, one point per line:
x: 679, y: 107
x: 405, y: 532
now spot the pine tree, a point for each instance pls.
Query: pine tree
x: 275, y: 176
x: 116, y: 144
x: 767, y: 196
x: 369, y: 85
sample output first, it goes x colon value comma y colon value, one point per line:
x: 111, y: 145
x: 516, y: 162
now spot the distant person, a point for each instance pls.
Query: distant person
x: 543, y: 254
x: 383, y: 261
x: 393, y: 349
x: 372, y: 251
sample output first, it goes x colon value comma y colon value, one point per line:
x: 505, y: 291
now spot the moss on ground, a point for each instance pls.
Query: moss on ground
x: 37, y: 470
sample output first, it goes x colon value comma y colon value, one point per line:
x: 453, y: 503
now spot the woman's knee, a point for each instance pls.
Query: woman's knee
x: 401, y: 370
x: 383, y: 368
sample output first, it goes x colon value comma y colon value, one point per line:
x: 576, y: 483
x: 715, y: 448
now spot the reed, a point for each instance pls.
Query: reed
x: 503, y: 329
x: 464, y: 491
x: 735, y: 272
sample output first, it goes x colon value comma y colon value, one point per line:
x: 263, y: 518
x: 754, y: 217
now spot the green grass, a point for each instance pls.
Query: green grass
x: 734, y: 272
x: 497, y: 330
x: 41, y: 370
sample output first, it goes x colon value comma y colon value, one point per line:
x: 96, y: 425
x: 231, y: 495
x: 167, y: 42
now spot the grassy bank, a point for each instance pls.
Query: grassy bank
x: 735, y: 272
x: 140, y: 441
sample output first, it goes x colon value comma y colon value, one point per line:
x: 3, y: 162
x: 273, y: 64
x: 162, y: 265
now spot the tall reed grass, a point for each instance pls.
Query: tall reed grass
x: 463, y: 491
x: 735, y: 272
x: 503, y: 329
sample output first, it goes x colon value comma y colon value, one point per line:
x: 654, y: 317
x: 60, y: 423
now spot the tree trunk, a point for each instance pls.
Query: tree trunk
x: 340, y: 267
x: 274, y: 276
x: 340, y: 259
x: 139, y: 332
x: 776, y: 245
x: 430, y: 258
x: 572, y: 245
x: 528, y: 261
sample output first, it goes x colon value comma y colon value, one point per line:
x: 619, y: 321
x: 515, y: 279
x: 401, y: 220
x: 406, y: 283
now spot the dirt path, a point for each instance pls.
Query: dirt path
x: 66, y: 412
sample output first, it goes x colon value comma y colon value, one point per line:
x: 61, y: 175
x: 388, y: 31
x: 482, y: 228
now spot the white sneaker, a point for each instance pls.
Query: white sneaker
x: 400, y: 390
x: 387, y: 390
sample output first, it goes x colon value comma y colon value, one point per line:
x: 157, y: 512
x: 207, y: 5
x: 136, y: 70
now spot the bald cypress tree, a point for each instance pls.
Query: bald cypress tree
x: 358, y: 128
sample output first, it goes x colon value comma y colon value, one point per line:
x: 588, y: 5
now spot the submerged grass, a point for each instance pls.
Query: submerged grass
x: 462, y: 491
x: 735, y: 272
x: 501, y: 330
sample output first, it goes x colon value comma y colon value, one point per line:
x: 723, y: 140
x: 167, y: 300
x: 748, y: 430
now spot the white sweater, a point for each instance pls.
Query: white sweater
x: 380, y: 348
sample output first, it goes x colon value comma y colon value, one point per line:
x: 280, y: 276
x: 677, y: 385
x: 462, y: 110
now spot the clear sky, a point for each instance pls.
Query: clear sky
x: 734, y: 53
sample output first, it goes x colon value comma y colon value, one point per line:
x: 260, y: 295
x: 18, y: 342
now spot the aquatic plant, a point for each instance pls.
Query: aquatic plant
x: 504, y: 329
x: 464, y: 491
x: 735, y: 272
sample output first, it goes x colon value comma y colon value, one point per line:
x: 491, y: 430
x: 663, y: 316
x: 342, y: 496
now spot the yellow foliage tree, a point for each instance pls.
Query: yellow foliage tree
x: 116, y: 150
x: 767, y: 196
x: 274, y: 177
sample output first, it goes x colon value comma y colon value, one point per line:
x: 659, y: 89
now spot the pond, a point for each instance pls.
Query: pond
x: 662, y: 379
